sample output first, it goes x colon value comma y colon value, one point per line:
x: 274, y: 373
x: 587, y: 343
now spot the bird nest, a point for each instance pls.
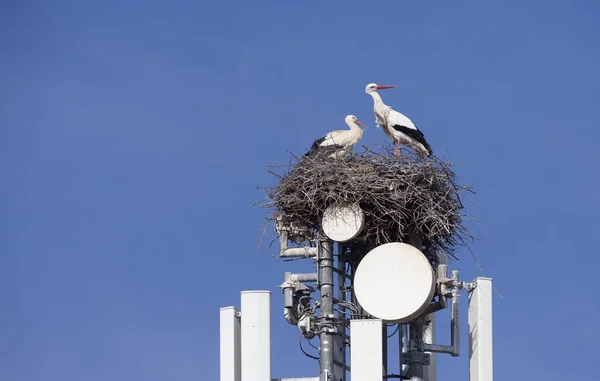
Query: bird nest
x: 400, y: 196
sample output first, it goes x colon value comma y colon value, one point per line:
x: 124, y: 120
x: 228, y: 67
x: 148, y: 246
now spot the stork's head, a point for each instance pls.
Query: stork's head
x: 373, y: 87
x: 352, y: 119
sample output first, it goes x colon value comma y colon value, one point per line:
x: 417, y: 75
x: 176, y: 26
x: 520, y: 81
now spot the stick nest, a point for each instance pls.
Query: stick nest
x: 399, y: 196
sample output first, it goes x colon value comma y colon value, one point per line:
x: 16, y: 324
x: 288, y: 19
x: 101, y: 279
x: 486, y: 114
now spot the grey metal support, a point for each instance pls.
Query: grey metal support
x: 454, y: 347
x: 305, y: 277
x: 403, y: 344
x: 416, y: 370
x: 455, y: 322
x: 293, y: 283
x: 299, y: 252
x: 415, y: 354
x: 325, y: 271
x: 430, y: 371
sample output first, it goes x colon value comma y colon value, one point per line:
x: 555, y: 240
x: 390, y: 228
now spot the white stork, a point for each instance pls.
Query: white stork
x: 339, y: 142
x: 397, y: 126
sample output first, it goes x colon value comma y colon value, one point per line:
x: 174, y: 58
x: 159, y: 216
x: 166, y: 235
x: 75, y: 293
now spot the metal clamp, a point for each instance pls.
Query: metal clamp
x: 416, y: 357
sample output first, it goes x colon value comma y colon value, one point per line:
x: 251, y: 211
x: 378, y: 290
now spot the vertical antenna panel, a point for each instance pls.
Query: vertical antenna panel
x: 230, y: 345
x: 480, y: 331
x: 366, y: 349
x: 256, y: 335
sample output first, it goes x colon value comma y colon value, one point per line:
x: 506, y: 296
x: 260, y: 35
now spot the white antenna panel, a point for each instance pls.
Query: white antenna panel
x: 342, y: 223
x: 394, y: 282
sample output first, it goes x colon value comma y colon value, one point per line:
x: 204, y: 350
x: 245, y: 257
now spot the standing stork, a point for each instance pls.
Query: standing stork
x: 339, y: 142
x: 397, y: 126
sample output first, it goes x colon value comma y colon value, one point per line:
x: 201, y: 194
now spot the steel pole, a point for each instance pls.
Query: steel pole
x: 430, y: 372
x: 416, y: 370
x: 416, y: 344
x: 325, y: 270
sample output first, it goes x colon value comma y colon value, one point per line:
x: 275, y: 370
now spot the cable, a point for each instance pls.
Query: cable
x: 396, y: 330
x: 307, y: 354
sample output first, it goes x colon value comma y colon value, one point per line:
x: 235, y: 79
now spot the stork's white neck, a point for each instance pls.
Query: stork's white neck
x: 353, y: 135
x: 377, y: 99
x: 354, y: 127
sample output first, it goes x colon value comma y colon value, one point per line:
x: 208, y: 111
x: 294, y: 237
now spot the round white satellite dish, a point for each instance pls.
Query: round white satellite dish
x: 394, y: 282
x: 341, y: 223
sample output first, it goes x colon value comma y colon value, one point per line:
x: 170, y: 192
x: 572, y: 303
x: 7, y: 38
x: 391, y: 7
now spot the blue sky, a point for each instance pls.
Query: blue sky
x: 133, y: 136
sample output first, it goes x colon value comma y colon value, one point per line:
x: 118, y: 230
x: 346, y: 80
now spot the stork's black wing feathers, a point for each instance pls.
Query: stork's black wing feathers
x: 317, y: 143
x: 414, y: 133
x: 318, y: 150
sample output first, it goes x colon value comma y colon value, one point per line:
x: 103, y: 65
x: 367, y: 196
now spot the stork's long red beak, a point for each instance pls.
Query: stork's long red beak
x: 382, y: 87
x: 360, y: 124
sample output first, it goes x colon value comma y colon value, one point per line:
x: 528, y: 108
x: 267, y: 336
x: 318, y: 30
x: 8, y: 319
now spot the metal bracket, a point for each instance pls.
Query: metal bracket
x: 469, y: 286
x: 306, y: 324
x: 412, y: 357
x: 295, y: 231
x: 296, y: 286
x: 329, y: 330
x: 327, y: 324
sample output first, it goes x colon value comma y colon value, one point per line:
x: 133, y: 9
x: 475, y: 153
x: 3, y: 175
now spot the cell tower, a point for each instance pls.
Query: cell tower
x: 379, y: 261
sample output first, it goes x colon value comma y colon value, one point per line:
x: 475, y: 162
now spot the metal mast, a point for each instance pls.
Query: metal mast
x: 326, y: 318
x: 342, y: 322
